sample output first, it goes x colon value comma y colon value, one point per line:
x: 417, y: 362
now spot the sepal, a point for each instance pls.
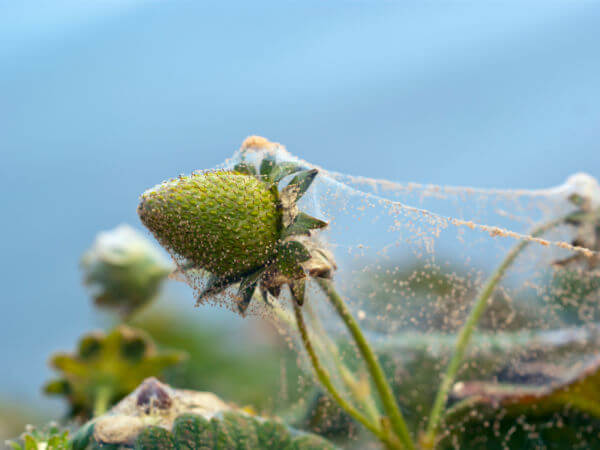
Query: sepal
x: 266, y: 166
x: 302, y: 224
x: 291, y: 253
x: 299, y: 185
x: 216, y: 285
x: 284, y: 169
x: 298, y: 290
x: 245, y: 168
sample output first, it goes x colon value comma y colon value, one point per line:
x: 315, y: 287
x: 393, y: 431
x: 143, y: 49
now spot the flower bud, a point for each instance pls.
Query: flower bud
x: 124, y: 270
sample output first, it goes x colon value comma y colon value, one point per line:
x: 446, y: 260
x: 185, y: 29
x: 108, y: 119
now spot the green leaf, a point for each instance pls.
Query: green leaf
x: 216, y: 285
x: 577, y: 387
x: 289, y: 256
x: 49, y: 437
x: 299, y: 185
x: 58, y: 386
x: 248, y: 287
x: 155, y: 438
x: 282, y: 170
x: 242, y: 429
x: 246, y: 293
x: 182, y: 429
x: 192, y: 432
x: 222, y: 434
x: 298, y: 289
x: 83, y: 437
x: 89, y: 346
x: 293, y: 251
x: 30, y: 443
x: 245, y: 168
x: 253, y: 278
x: 237, y: 430
x: 558, y: 412
x: 302, y: 224
x: 266, y: 166
x: 225, y: 431
x: 272, y: 434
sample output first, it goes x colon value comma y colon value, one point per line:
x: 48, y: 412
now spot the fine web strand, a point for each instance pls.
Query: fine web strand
x: 411, y: 260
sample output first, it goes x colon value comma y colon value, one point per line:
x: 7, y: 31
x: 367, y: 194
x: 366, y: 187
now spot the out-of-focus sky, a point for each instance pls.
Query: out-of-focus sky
x: 101, y: 99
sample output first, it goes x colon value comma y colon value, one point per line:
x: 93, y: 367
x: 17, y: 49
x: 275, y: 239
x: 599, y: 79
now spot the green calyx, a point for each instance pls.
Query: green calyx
x: 106, y: 367
x: 236, y: 225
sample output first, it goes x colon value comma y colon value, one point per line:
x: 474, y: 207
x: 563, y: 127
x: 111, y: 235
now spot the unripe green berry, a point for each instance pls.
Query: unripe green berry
x: 225, y: 222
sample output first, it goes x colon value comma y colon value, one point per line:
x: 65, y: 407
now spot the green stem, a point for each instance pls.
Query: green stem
x: 102, y: 400
x: 321, y: 340
x: 385, y: 391
x: 466, y: 331
x: 325, y: 380
x: 361, y: 391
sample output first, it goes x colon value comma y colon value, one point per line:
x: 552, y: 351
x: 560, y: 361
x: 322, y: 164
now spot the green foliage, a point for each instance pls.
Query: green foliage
x: 557, y: 415
x: 490, y: 429
x: 575, y: 387
x: 107, y: 367
x: 51, y: 437
x: 156, y: 416
x: 227, y: 431
x: 15, y: 414
x: 155, y: 438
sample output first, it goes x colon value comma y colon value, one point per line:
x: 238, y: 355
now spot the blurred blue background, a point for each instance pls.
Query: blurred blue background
x: 101, y: 99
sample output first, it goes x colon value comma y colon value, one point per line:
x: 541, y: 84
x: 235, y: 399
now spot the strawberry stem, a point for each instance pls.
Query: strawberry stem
x: 390, y: 405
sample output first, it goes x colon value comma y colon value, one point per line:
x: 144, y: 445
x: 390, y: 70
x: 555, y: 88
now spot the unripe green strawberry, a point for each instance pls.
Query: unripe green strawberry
x: 225, y: 222
x: 237, y: 226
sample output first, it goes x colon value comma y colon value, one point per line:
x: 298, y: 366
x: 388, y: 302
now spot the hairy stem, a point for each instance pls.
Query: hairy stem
x: 385, y: 391
x: 466, y: 331
x: 321, y: 341
x: 361, y: 390
x: 325, y: 379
